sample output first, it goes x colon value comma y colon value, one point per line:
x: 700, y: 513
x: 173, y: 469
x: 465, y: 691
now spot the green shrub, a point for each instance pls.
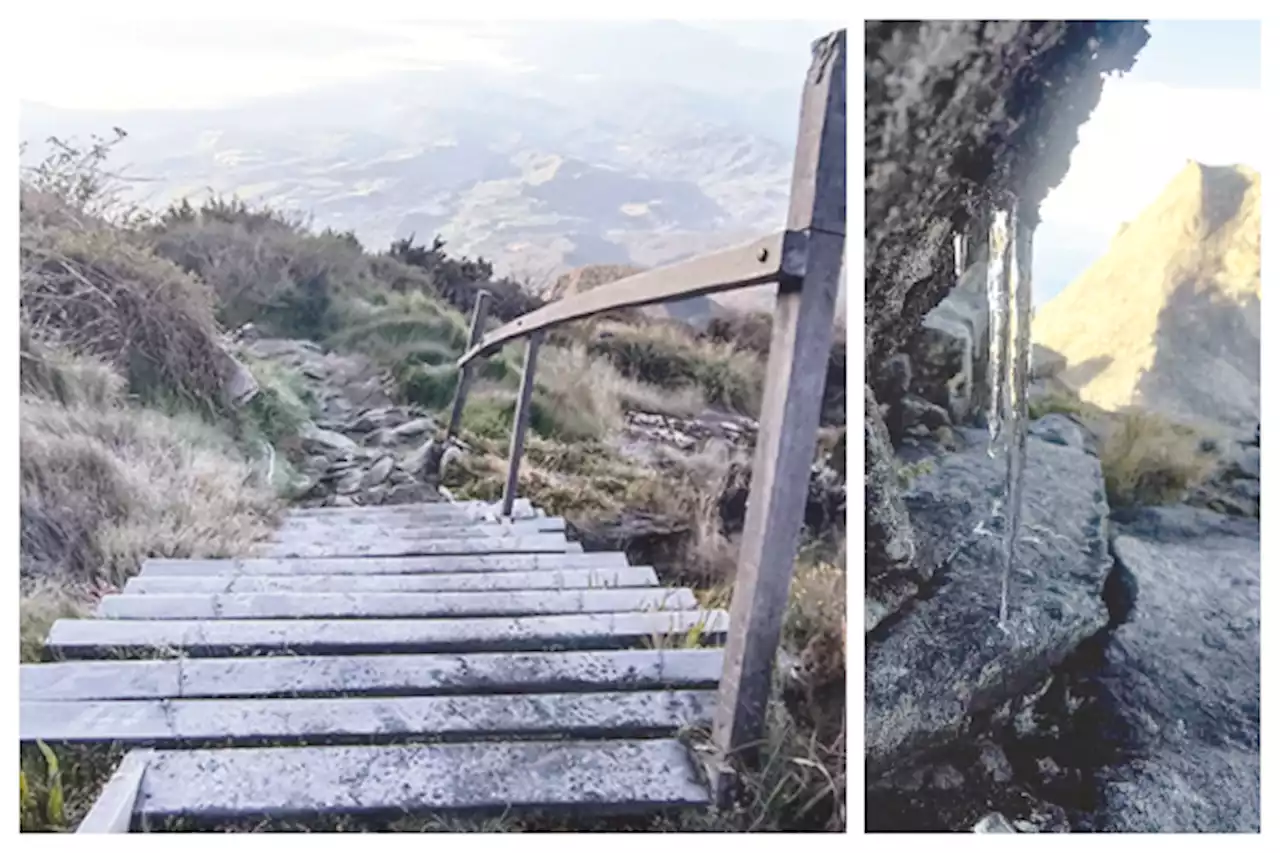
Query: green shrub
x: 429, y: 386
x: 264, y: 266
x: 280, y: 408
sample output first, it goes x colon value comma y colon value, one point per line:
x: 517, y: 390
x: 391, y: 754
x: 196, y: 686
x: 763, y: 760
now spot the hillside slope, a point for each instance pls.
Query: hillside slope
x: 1168, y: 320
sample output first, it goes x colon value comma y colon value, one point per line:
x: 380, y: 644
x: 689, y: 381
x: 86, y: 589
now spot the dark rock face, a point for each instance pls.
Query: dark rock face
x: 940, y: 665
x: 1235, y: 486
x: 891, y: 576
x: 957, y: 113
x: 1180, y: 678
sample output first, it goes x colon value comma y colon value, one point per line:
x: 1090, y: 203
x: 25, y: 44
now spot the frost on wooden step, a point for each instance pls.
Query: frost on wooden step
x: 387, y: 605
x: 631, y: 576
x: 385, y: 675
x: 596, y: 777
x: 384, y: 565
x: 403, y: 547
x: 477, y: 510
x: 99, y: 638
x: 326, y: 530
x: 195, y: 722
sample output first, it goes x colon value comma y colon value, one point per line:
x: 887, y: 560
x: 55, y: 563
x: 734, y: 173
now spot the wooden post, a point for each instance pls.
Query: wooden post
x: 523, y: 406
x: 794, y: 379
x: 478, y: 315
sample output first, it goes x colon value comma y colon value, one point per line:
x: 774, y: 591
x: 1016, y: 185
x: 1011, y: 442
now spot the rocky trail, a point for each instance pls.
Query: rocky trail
x: 361, y: 448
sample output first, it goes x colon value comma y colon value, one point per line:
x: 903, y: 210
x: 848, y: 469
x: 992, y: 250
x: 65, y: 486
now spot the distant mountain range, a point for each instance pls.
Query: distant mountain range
x: 626, y: 144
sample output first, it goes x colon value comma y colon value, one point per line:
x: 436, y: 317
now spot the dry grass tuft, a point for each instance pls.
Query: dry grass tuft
x: 92, y: 288
x: 1147, y: 459
x: 105, y: 484
x: 669, y: 356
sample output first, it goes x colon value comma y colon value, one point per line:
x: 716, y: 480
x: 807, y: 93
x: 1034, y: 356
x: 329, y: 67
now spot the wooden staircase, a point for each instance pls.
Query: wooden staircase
x: 378, y: 662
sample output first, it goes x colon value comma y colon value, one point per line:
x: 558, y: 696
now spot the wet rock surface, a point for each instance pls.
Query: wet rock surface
x: 1180, y: 678
x: 942, y: 664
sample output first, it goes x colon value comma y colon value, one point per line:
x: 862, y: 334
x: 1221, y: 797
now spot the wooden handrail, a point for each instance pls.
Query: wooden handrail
x: 806, y: 259
x: 758, y: 262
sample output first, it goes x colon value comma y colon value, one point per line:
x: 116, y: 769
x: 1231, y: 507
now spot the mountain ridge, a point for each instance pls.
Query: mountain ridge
x: 1169, y: 319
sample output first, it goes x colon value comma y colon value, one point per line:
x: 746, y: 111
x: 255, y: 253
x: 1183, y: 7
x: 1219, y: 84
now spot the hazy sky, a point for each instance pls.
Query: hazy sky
x: 1194, y: 93
x: 167, y: 64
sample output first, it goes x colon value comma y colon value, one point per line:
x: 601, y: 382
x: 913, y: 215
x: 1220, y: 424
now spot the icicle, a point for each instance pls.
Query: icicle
x: 960, y: 246
x: 998, y: 298
x: 1014, y: 429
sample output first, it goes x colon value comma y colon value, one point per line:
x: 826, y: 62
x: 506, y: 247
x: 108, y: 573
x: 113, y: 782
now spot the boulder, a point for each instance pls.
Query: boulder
x: 943, y: 662
x: 1180, y: 677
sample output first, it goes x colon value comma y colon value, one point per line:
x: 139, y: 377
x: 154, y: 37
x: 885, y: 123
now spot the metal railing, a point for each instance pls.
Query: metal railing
x: 805, y: 260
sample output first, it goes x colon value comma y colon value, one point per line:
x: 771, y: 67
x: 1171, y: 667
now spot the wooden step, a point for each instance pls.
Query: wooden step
x: 408, y: 526
x: 373, y: 675
x: 389, y: 605
x: 384, y: 565
x: 107, y: 638
x: 334, y: 546
x: 463, y: 509
x: 303, y: 782
x: 191, y: 723
x: 631, y: 576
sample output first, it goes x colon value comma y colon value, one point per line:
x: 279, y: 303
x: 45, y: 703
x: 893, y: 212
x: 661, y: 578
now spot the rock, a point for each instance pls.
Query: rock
x: 994, y: 763
x: 890, y: 385
x: 350, y: 483
x: 946, y: 777
x: 920, y: 412
x: 379, y: 472
x: 1025, y: 826
x: 1062, y: 430
x: 413, y: 429
x: 1181, y: 676
x: 1249, y: 463
x: 379, y: 438
x: 322, y: 441
x: 891, y: 575
x: 994, y: 822
x: 1233, y: 488
x: 374, y: 419
x: 944, y: 661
